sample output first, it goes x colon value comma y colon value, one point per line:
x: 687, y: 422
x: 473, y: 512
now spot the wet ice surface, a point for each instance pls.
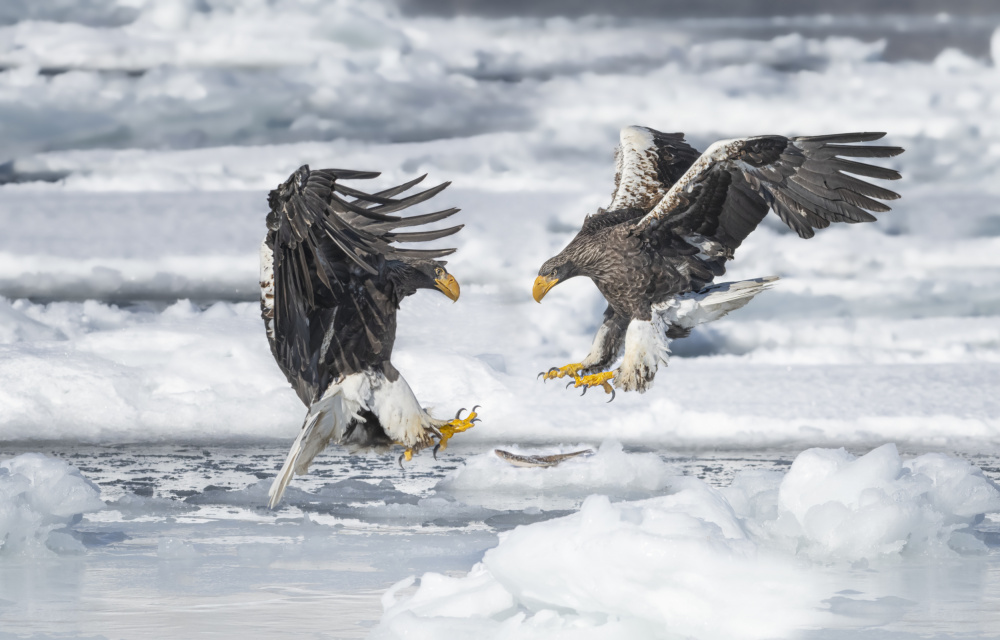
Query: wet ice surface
x: 184, y: 543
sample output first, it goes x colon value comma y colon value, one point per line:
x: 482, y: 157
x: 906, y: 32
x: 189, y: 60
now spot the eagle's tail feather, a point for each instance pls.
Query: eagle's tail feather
x: 326, y: 419
x: 288, y: 469
x: 714, y: 301
x: 725, y: 294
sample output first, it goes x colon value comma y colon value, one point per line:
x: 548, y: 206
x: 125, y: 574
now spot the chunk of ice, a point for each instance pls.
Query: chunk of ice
x: 843, y: 507
x: 39, y: 496
x: 701, y: 562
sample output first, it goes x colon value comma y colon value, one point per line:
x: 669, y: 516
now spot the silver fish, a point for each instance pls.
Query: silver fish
x: 519, y: 460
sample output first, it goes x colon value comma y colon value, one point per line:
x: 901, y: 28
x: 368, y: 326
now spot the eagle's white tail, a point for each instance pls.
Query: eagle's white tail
x: 327, y: 418
x: 713, y: 302
x: 647, y: 343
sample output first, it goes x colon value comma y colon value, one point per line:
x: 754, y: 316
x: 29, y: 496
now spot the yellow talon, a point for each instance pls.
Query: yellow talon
x: 458, y: 425
x: 561, y: 372
x: 445, y: 431
x: 596, y: 380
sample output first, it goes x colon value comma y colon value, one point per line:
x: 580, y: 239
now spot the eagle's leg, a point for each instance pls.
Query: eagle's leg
x: 402, y: 418
x: 608, y: 344
x: 573, y: 370
x: 458, y: 425
x: 408, y: 452
x: 646, y: 347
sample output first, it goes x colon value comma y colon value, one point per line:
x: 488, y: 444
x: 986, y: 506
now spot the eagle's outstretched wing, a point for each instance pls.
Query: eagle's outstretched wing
x: 647, y: 163
x: 325, y: 251
x: 806, y: 181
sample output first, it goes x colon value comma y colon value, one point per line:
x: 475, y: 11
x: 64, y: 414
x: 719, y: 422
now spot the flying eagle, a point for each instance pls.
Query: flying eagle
x: 331, y: 281
x: 676, y: 217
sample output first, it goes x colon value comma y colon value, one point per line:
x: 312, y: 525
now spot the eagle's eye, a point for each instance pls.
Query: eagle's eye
x: 439, y: 272
x: 553, y: 274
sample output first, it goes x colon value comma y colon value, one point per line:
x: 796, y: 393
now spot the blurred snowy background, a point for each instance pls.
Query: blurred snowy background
x: 138, y: 139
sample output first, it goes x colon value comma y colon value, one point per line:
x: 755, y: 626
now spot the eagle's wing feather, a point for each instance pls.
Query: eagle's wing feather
x: 327, y: 256
x: 805, y: 181
x: 647, y: 163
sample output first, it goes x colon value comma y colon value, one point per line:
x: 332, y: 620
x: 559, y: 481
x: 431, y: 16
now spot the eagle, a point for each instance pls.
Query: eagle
x: 676, y: 217
x: 332, y: 279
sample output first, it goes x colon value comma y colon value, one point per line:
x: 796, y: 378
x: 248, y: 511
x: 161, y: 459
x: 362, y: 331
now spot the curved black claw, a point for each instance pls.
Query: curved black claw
x: 435, y: 452
x: 570, y: 383
x: 475, y: 420
x: 400, y: 460
x: 542, y: 373
x: 474, y: 408
x: 459, y: 413
x: 585, y: 387
x: 612, y: 395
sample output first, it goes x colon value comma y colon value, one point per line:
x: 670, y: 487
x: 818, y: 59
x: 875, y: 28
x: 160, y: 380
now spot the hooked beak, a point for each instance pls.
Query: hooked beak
x: 448, y: 285
x: 542, y: 286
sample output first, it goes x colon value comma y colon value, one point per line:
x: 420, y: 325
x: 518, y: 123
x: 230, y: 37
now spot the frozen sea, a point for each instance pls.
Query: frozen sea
x: 821, y: 464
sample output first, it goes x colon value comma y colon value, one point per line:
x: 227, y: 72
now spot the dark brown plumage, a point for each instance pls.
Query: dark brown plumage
x: 332, y: 279
x: 338, y: 277
x: 677, y: 217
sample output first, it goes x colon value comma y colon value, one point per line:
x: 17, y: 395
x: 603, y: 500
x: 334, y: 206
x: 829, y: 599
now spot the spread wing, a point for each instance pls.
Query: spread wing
x: 806, y: 181
x: 647, y: 163
x: 332, y: 311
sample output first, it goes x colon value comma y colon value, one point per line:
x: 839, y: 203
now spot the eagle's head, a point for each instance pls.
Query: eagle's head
x: 431, y: 274
x: 554, y: 271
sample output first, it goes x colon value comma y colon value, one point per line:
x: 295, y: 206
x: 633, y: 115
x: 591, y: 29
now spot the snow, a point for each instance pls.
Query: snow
x: 750, y: 493
x: 105, y: 373
x: 119, y: 375
x: 877, y: 314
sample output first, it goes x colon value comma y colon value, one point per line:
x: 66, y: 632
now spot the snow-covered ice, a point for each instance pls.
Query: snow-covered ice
x: 872, y: 334
x: 139, y: 139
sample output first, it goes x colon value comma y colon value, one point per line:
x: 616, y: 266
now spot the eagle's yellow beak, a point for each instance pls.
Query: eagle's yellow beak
x: 542, y: 286
x: 448, y: 285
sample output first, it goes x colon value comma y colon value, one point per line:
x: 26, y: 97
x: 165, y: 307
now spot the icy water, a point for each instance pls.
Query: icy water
x: 185, y: 547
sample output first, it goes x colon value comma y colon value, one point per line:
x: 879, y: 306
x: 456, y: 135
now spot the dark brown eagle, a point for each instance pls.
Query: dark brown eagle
x: 676, y: 217
x: 331, y: 281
